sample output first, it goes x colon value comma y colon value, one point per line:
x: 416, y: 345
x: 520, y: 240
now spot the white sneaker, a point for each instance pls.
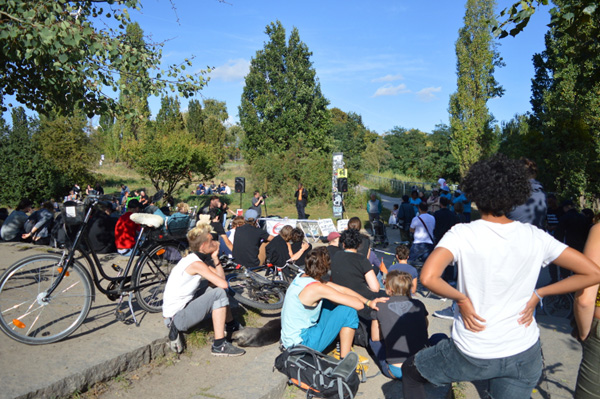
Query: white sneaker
x: 447, y: 313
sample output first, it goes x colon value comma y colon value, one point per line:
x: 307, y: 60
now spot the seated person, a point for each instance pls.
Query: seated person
x: 315, y: 311
x: 101, y: 232
x: 196, y: 288
x: 217, y: 227
x: 352, y: 270
x: 298, y: 245
x: 402, y: 252
x: 334, y: 243
x: 279, y: 249
x: 126, y: 229
x: 365, y: 244
x: 13, y: 226
x: 248, y: 241
x: 39, y: 225
x: 235, y: 223
x: 400, y: 329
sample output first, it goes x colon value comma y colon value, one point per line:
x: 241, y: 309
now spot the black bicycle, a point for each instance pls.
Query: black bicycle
x: 45, y: 298
x: 261, y: 287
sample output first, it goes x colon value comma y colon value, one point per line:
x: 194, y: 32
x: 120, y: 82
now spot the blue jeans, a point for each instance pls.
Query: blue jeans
x: 420, y: 252
x: 511, y: 377
x: 333, y: 317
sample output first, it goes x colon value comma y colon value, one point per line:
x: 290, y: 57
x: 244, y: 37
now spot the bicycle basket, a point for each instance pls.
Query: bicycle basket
x: 73, y: 215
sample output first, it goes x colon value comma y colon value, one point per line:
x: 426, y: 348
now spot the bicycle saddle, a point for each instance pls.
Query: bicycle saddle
x: 148, y: 220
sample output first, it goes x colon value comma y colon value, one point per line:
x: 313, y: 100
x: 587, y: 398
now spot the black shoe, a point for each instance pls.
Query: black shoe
x: 226, y: 349
x: 175, y: 339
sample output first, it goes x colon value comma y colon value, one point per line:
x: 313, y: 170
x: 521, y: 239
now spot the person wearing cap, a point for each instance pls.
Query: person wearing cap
x: 334, y: 243
x: 248, y: 240
x: 126, y: 229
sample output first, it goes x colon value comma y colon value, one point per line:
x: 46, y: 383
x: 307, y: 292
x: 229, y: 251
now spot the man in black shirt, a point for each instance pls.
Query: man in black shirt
x: 444, y: 219
x: 248, y: 239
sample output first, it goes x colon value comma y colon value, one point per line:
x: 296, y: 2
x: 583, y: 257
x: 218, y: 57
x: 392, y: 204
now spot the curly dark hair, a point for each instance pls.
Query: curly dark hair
x: 297, y: 235
x: 351, y: 239
x: 402, y: 252
x: 317, y: 263
x: 497, y: 185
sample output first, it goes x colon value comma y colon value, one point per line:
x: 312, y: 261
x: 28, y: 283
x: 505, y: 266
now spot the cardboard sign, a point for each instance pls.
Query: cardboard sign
x: 326, y: 226
x: 342, y: 225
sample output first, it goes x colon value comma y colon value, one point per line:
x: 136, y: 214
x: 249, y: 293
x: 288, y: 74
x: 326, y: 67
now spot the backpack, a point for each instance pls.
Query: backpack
x: 319, y: 375
x: 177, y: 224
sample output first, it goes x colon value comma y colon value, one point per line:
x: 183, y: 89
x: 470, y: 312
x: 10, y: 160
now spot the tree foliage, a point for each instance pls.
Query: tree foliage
x: 350, y: 136
x: 25, y: 171
x: 62, y: 55
x: 566, y: 106
x: 376, y: 156
x: 477, y: 58
x: 282, y: 105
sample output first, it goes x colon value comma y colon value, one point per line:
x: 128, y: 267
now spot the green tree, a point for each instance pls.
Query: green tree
x: 376, y: 156
x: 133, y: 93
x: 194, y: 120
x: 66, y: 145
x: 56, y: 55
x: 28, y: 174
x: 233, y: 141
x: 566, y: 106
x: 409, y: 149
x: 349, y: 136
x: 472, y: 133
x: 169, y: 115
x: 282, y: 105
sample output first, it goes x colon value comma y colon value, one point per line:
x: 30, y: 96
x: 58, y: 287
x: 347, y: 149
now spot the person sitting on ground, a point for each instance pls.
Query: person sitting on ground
x: 316, y: 311
x: 13, y: 226
x: 422, y: 226
x: 248, y: 241
x: 406, y: 213
x: 126, y: 229
x: 279, y: 249
x: 402, y: 253
x: 235, y: 223
x: 365, y: 244
x: 299, y: 246
x: 400, y: 329
x: 352, y: 270
x: 494, y: 336
x: 219, y: 230
x: 144, y: 199
x: 196, y: 287
x: 101, y: 232
x: 333, y: 239
x: 39, y: 225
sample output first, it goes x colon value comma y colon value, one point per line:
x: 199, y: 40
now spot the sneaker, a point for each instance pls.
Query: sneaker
x: 227, y: 349
x: 336, y: 354
x: 175, y: 339
x: 447, y: 313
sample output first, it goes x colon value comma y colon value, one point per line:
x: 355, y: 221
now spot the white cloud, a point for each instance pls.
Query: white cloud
x: 426, y: 95
x: 232, y: 71
x: 389, y: 90
x: 389, y: 78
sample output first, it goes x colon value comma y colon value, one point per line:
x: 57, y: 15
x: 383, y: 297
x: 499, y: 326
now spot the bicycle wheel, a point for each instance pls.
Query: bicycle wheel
x: 151, y: 273
x: 27, y: 315
x: 558, y: 305
x: 256, y: 291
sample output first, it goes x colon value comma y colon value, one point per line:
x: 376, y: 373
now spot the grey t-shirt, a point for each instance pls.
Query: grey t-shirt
x: 13, y: 225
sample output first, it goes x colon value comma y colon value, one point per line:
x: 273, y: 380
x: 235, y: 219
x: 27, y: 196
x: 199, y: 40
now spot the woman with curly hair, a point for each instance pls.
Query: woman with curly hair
x: 316, y: 311
x: 494, y: 336
x: 197, y: 288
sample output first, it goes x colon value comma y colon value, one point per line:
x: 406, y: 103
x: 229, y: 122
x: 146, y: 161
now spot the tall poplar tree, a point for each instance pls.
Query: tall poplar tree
x: 476, y: 59
x: 284, y: 113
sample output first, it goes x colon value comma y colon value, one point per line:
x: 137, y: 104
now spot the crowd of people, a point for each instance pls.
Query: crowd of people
x: 345, y: 296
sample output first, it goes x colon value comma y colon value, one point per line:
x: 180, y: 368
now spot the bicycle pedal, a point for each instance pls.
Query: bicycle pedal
x: 121, y: 316
x: 117, y: 268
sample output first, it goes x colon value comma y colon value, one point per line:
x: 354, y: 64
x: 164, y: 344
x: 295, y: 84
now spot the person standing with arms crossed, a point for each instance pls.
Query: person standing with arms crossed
x: 301, y: 200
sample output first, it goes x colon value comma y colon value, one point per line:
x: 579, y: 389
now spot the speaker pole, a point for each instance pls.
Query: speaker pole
x: 241, y: 194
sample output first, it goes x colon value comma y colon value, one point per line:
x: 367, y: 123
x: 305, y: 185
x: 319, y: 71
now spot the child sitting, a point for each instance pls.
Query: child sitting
x: 400, y: 329
x: 402, y: 252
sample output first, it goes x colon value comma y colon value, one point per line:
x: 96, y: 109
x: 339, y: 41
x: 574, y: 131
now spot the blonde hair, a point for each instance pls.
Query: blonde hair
x: 237, y: 222
x: 182, y: 207
x: 398, y: 283
x: 199, y: 235
x: 286, y: 232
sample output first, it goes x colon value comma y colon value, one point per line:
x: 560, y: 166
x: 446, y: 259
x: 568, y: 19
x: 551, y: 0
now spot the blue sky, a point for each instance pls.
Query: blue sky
x: 393, y: 62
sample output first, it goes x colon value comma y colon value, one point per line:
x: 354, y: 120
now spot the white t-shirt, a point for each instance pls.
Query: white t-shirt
x: 421, y: 235
x: 227, y: 190
x: 498, y: 267
x: 180, y: 287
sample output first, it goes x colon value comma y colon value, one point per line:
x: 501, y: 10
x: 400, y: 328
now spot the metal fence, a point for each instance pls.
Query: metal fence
x: 400, y: 186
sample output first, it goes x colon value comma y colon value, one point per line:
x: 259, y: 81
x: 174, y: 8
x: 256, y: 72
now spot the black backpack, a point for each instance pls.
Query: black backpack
x: 319, y: 375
